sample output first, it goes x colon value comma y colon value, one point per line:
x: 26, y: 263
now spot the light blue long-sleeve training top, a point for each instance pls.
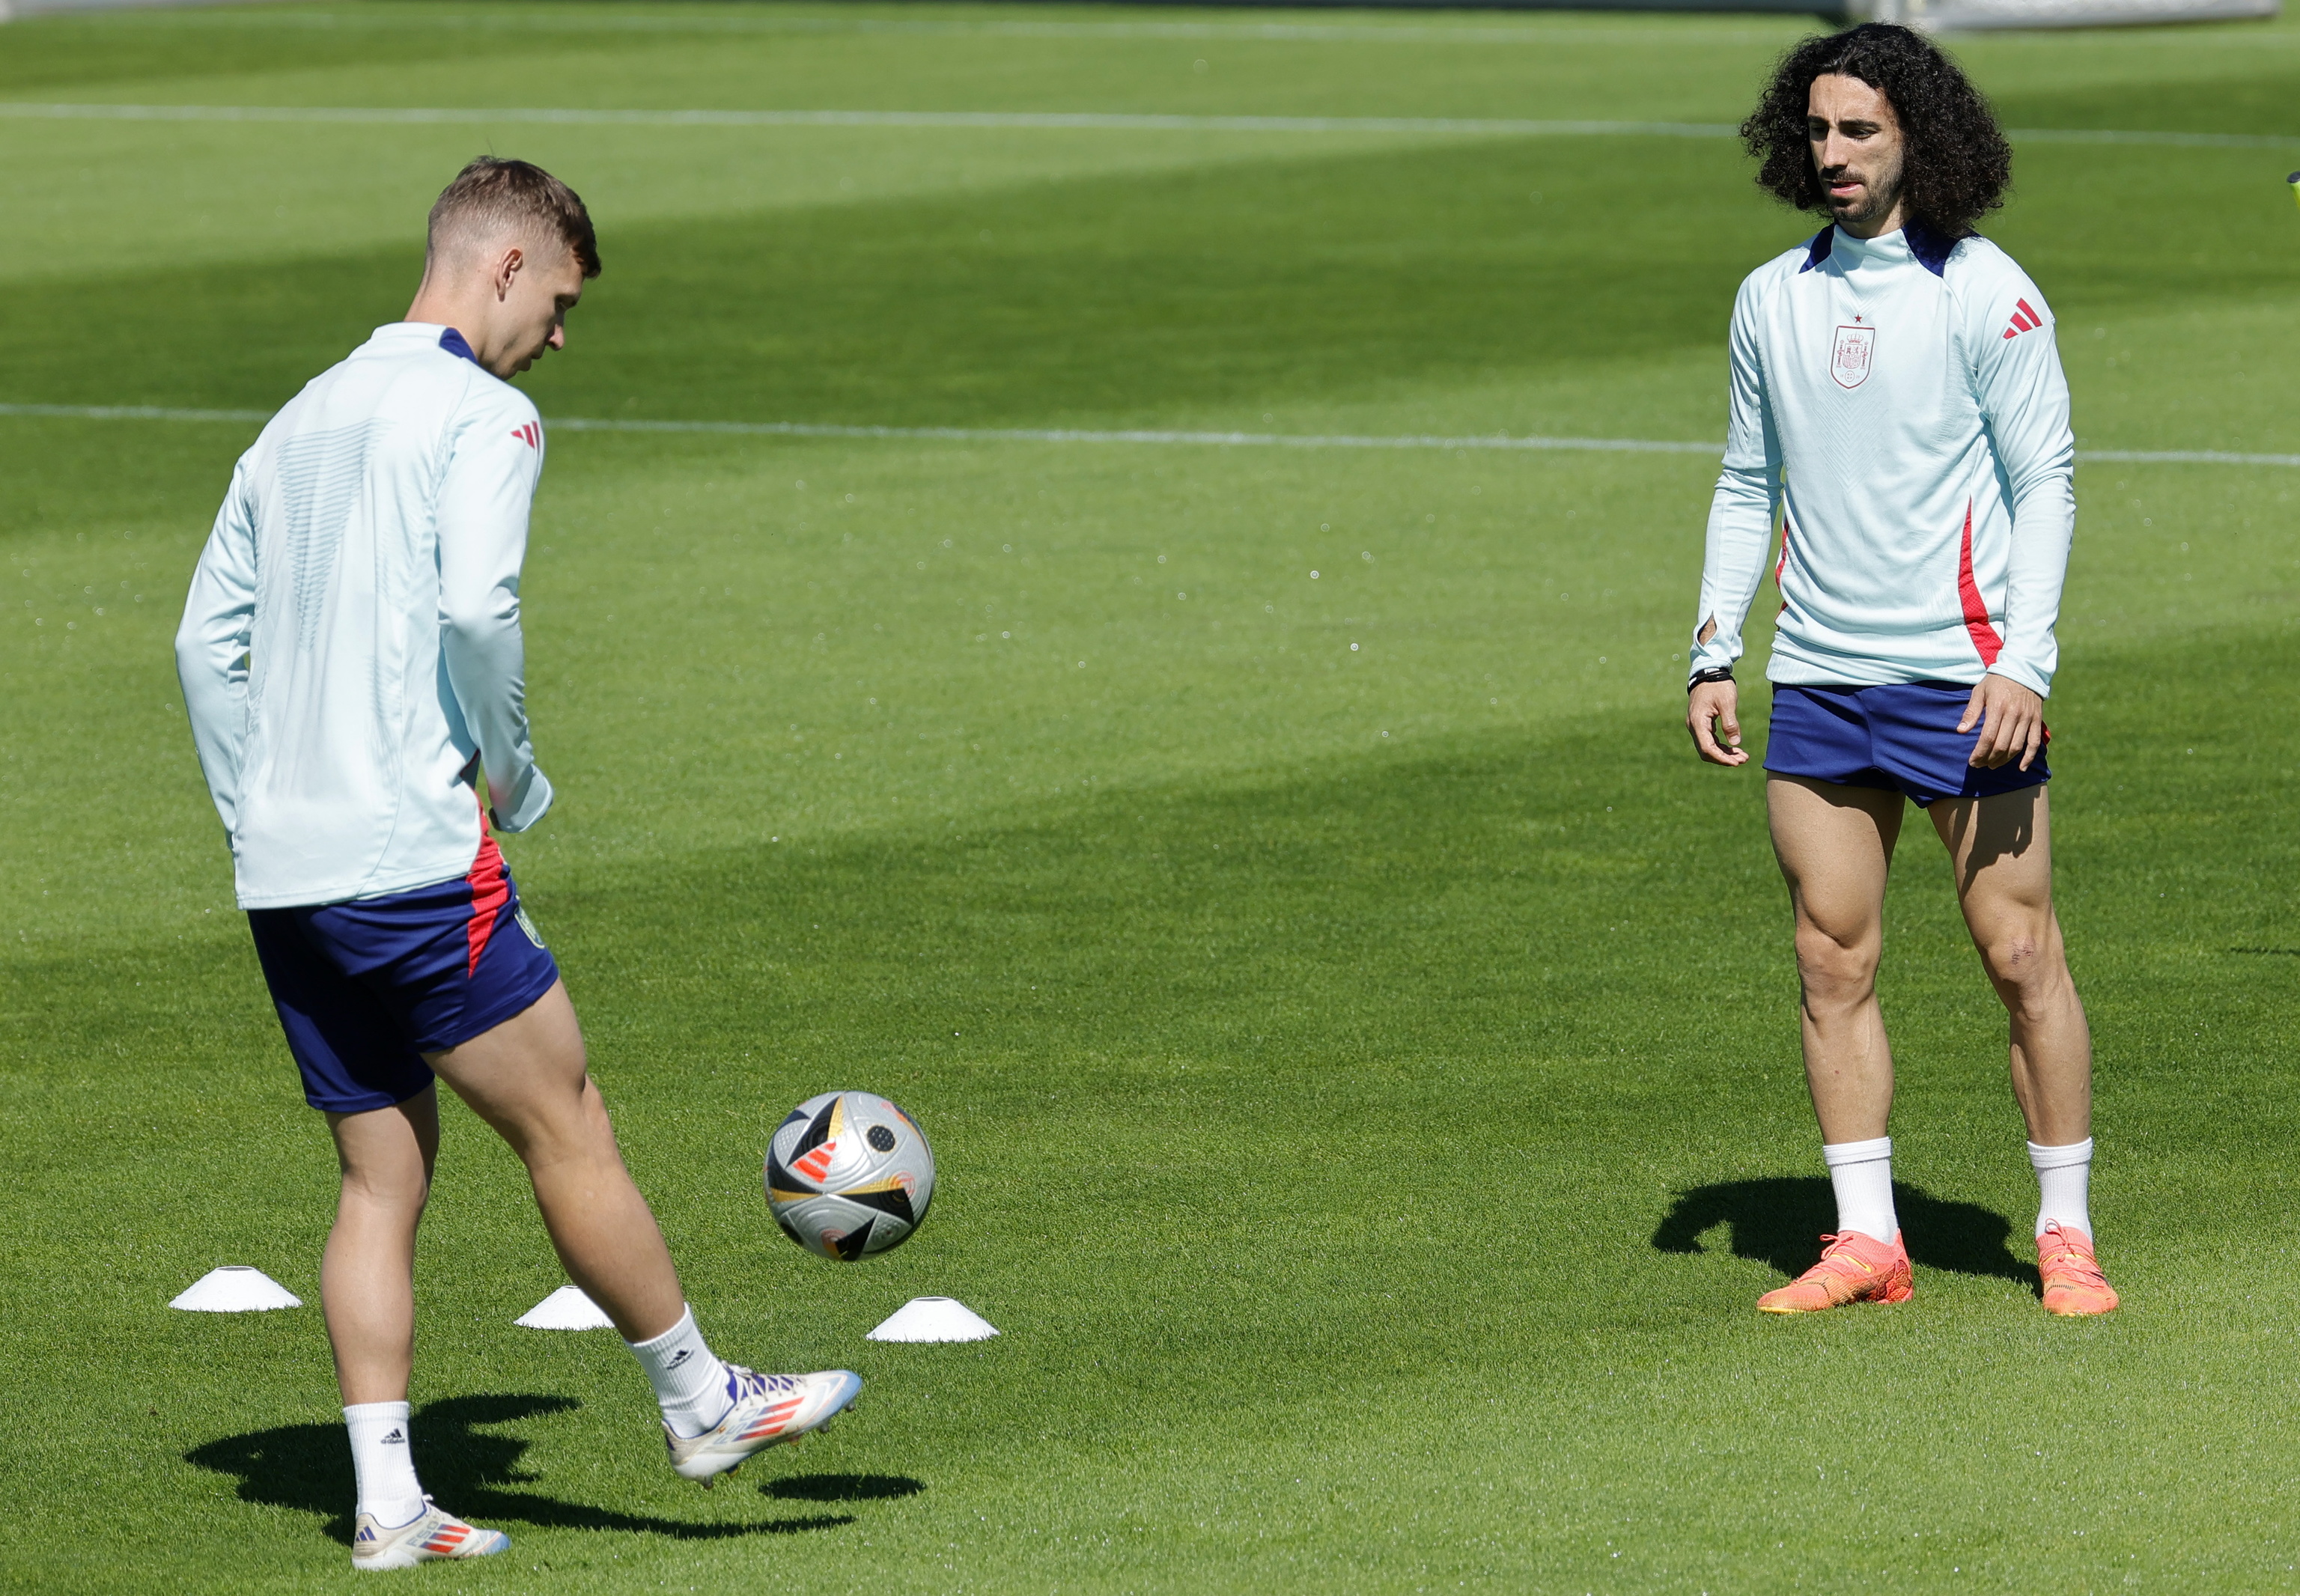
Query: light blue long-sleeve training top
x: 1900, y: 399
x: 352, y: 640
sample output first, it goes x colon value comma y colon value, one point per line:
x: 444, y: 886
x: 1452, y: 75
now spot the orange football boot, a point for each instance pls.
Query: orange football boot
x: 2074, y: 1285
x: 1852, y: 1269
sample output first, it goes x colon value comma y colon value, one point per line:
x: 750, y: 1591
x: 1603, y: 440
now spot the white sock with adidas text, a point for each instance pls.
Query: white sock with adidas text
x: 383, y: 1461
x: 1861, y: 1172
x: 690, y: 1383
x: 2064, y: 1185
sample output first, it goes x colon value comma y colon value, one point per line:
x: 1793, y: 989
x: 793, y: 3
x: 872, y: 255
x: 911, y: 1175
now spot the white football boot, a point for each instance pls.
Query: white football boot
x: 769, y: 1410
x: 432, y: 1534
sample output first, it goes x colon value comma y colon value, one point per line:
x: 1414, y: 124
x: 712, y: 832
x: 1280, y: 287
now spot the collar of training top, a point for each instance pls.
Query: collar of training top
x: 453, y: 343
x: 1931, y: 247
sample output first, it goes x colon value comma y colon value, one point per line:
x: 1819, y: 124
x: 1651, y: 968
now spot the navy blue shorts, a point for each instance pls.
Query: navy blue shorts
x: 365, y: 989
x: 1901, y: 736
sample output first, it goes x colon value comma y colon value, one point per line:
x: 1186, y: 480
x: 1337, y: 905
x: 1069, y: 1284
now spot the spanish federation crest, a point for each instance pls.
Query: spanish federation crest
x: 1850, y: 360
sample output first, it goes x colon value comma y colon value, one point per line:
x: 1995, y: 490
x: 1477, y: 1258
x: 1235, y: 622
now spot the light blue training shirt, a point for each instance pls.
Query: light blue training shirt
x: 1901, y: 401
x: 351, y: 643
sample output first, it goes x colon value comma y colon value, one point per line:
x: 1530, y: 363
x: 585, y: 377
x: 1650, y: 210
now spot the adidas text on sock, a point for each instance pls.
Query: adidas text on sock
x: 383, y: 1461
x: 690, y: 1383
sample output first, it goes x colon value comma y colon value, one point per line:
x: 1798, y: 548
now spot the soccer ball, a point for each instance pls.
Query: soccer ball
x: 849, y: 1174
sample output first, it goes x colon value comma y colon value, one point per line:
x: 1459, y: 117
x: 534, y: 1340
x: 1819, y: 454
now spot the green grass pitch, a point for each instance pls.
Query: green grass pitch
x: 1358, y: 1038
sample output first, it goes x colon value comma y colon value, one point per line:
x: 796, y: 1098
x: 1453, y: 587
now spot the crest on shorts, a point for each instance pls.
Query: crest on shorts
x: 1850, y: 360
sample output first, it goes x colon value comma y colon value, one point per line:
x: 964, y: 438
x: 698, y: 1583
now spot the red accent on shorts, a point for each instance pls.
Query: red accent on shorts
x: 489, y: 892
x: 1976, y: 609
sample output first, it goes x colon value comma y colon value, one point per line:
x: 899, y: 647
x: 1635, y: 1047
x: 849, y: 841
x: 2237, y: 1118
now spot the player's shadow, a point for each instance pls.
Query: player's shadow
x: 842, y: 1487
x: 464, y: 1464
x: 1779, y: 1221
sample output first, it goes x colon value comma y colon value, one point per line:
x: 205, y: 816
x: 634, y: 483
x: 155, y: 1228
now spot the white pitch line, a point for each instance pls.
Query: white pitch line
x: 1028, y: 121
x: 1033, y: 434
x: 1054, y: 435
x: 131, y: 412
x: 2182, y: 457
x: 964, y: 435
x: 2206, y: 141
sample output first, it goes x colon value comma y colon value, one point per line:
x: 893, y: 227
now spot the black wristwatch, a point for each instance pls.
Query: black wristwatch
x: 1714, y: 673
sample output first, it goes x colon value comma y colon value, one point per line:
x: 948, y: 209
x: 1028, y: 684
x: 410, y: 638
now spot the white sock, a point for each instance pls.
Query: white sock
x: 383, y: 1459
x: 689, y: 1381
x: 1862, y: 1174
x: 2064, y: 1182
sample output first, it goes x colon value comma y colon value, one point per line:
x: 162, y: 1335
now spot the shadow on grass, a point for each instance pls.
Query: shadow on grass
x: 309, y: 1468
x: 842, y: 1487
x: 1779, y: 1221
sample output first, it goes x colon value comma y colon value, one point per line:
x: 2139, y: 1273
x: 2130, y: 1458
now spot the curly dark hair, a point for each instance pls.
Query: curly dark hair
x: 1955, y: 164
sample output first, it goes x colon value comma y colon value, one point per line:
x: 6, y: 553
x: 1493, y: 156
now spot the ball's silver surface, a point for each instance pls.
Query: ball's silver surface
x: 849, y: 1174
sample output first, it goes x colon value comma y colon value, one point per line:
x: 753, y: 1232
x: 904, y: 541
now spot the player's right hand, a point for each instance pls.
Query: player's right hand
x: 1716, y: 706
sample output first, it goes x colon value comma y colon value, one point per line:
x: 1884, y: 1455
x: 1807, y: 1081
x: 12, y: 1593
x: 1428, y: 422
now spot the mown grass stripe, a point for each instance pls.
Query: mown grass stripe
x: 1718, y: 30
x: 1045, y: 121
x: 1070, y: 435
x: 1757, y: 26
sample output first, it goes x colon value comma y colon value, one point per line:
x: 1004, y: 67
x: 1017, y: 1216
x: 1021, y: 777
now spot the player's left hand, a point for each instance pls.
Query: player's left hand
x: 2012, y: 721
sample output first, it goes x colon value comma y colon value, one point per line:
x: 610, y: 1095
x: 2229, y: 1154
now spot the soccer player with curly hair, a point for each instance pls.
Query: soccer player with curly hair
x: 1897, y: 398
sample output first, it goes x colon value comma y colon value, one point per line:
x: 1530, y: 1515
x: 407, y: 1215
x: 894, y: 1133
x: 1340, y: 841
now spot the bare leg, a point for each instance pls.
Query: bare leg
x: 1834, y: 845
x: 527, y: 1078
x: 2001, y: 848
x: 367, y: 1280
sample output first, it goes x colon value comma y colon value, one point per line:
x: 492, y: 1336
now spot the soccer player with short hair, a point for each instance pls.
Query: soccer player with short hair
x: 1897, y: 395
x: 353, y: 667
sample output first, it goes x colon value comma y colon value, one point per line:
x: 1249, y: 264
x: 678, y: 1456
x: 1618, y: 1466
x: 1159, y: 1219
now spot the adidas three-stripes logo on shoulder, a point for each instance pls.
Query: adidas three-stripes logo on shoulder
x: 2024, y: 320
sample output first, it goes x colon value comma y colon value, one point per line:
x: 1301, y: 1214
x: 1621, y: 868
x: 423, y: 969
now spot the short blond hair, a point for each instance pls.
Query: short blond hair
x: 491, y: 196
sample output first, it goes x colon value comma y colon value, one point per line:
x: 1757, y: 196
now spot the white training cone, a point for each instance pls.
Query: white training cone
x: 935, y: 1318
x: 566, y: 1308
x: 236, y: 1288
